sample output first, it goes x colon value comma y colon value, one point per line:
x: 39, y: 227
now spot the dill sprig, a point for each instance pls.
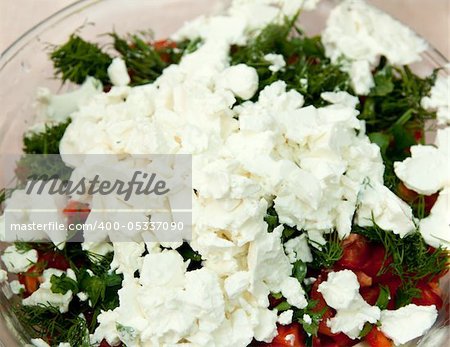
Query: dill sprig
x: 144, y: 61
x: 324, y: 256
x: 77, y: 59
x: 412, y: 259
x: 47, y: 141
x: 48, y: 323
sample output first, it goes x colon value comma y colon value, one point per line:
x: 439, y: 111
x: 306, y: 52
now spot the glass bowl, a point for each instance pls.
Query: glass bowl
x: 25, y: 66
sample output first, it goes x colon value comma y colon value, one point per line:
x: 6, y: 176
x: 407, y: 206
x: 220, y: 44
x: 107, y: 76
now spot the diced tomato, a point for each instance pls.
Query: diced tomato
x: 428, y: 296
x: 30, y: 279
x: 377, y: 339
x: 363, y: 279
x: 162, y: 44
x: 288, y: 336
x: 274, y: 302
x: 370, y: 294
x: 76, y: 212
x: 104, y: 343
x: 430, y: 200
x: 405, y: 193
x: 355, y: 252
x: 339, y: 340
x: 54, y: 260
x: 375, y: 262
x: 343, y: 340
x: 320, y: 306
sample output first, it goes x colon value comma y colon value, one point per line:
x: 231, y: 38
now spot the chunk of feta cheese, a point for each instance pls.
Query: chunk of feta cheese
x: 285, y: 318
x: 340, y: 289
x: 276, y: 60
x: 361, y: 34
x: 3, y: 276
x: 59, y: 107
x: 439, y: 99
x: 341, y: 292
x: 298, y: 249
x: 17, y: 261
x: 241, y: 80
x: 380, y: 205
x: 435, y: 228
x: 16, y: 287
x: 407, y: 323
x: 118, y: 72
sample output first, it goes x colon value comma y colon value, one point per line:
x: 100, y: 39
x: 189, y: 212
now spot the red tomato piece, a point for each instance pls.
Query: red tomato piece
x: 30, y: 279
x: 377, y: 339
x: 363, y: 279
x: 405, y: 193
x: 162, y: 44
x: 428, y: 296
x: 355, y: 253
x: 288, y: 336
x: 320, y: 306
x: 375, y: 262
x: 370, y: 294
x: 343, y: 340
x: 54, y: 260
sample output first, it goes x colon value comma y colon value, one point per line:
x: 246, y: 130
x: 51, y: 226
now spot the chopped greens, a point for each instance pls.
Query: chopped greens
x: 77, y: 59
x: 308, y: 70
x: 47, y: 141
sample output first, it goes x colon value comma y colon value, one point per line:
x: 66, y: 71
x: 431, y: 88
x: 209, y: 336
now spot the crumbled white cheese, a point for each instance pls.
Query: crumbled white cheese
x: 439, y: 99
x: 17, y: 261
x: 276, y: 60
x: 341, y: 292
x: 3, y: 276
x: 435, y: 228
x: 307, y: 318
x: 57, y: 108
x: 241, y: 80
x: 127, y: 257
x: 82, y: 296
x: 380, y: 205
x: 357, y: 35
x: 340, y: 289
x: 44, y: 294
x: 21, y: 209
x: 39, y: 343
x: 407, y: 323
x: 285, y: 318
x: 16, y: 287
x: 424, y: 172
x: 118, y: 72
x: 298, y: 249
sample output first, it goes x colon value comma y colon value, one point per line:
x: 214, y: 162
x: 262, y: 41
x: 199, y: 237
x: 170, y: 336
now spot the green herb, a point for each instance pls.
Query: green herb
x: 412, y: 259
x: 62, y: 284
x: 46, y: 321
x: 312, y: 327
x: 308, y: 70
x: 299, y: 270
x: 47, y: 141
x: 324, y: 256
x: 366, y: 330
x: 383, y: 298
x: 144, y: 61
x: 283, y: 306
x: 77, y: 59
x: 271, y: 218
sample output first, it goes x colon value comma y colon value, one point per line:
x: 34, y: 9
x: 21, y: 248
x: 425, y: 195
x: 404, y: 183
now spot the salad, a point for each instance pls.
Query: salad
x: 320, y: 208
